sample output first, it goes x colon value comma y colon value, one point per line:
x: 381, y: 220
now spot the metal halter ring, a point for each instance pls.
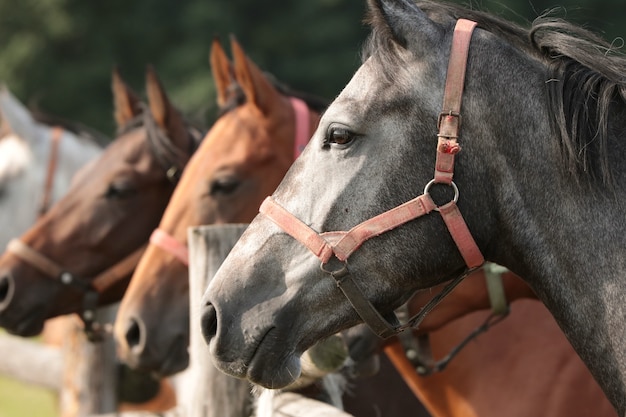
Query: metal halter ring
x: 338, y: 273
x: 452, y: 184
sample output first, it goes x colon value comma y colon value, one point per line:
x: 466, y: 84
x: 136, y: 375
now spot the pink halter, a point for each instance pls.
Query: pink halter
x: 170, y: 245
x: 342, y: 244
x: 178, y: 249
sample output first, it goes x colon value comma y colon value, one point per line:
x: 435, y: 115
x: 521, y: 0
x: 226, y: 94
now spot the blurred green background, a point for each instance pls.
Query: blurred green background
x: 58, y: 54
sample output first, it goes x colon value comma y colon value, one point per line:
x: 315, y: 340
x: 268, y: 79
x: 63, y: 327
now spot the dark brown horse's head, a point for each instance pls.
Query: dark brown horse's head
x: 63, y: 263
x: 241, y: 160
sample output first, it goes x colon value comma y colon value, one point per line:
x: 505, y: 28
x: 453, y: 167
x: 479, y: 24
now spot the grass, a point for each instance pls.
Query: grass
x: 23, y: 400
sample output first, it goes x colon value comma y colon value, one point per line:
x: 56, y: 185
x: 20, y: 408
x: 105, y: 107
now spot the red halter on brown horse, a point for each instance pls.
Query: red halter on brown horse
x: 63, y: 263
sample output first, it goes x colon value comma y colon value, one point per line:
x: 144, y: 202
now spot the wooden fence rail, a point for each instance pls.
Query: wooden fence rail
x: 31, y: 362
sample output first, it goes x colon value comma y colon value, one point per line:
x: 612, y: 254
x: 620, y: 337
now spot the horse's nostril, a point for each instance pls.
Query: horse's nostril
x: 209, y: 322
x: 134, y: 334
x: 6, y: 290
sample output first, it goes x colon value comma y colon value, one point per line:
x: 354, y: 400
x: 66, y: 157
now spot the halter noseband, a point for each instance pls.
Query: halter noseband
x: 106, y: 279
x: 341, y: 244
x: 91, y: 288
x: 178, y: 249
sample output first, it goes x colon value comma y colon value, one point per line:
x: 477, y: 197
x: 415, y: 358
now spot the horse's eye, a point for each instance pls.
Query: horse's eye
x: 340, y: 136
x: 120, y: 190
x: 224, y: 186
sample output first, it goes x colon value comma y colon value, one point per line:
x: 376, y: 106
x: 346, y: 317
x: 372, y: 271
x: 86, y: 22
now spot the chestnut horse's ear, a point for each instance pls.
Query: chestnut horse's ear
x: 223, y: 73
x: 255, y: 85
x: 405, y: 22
x: 165, y: 114
x: 126, y: 103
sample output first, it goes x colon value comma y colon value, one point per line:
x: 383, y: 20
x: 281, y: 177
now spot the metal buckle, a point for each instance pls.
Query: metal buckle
x: 448, y: 113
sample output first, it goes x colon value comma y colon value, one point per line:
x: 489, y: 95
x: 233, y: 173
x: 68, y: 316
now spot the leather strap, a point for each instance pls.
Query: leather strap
x: 450, y: 117
x: 119, y: 271
x: 343, y: 244
x: 53, y: 270
x: 171, y: 245
x: 34, y: 258
x: 302, y: 125
x: 461, y: 235
x: 55, y: 141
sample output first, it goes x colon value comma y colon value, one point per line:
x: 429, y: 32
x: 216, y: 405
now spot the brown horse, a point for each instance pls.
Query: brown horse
x: 217, y: 187
x: 242, y: 158
x: 62, y: 264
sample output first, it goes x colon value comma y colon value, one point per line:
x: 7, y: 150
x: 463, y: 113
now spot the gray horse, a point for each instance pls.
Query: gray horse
x: 540, y: 181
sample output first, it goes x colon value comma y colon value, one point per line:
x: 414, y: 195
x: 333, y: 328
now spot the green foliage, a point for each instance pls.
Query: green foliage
x: 58, y: 54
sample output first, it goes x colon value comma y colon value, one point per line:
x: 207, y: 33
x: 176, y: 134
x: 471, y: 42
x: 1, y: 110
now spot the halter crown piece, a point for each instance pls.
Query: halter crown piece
x: 342, y: 244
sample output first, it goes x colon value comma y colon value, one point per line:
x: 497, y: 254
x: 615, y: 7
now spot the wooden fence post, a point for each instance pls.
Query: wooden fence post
x: 90, y: 372
x: 210, y: 393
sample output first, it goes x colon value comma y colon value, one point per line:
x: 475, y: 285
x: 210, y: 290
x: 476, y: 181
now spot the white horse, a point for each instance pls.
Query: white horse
x: 26, y: 155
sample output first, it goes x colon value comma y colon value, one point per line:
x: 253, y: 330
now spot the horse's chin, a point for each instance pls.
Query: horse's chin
x: 30, y: 327
x: 274, y: 371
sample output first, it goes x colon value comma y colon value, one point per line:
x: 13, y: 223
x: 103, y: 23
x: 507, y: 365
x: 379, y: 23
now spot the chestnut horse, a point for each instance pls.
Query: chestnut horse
x: 152, y: 325
x: 541, y: 175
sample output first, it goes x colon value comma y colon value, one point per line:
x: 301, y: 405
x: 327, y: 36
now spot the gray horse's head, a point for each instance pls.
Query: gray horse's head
x: 375, y: 149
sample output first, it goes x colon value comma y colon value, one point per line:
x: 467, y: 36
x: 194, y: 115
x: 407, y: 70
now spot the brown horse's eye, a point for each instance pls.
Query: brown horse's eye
x: 223, y: 186
x: 120, y: 190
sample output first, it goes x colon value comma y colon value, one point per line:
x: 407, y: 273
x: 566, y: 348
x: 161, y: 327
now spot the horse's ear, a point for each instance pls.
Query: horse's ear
x: 164, y: 112
x: 15, y: 116
x: 125, y: 101
x: 405, y: 22
x: 223, y: 73
x: 255, y: 85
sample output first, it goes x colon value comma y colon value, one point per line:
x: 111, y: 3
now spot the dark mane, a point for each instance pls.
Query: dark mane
x: 589, y: 78
x: 237, y: 96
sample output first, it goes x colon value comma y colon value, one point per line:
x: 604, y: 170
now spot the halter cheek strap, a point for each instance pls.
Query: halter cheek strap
x: 342, y: 244
x: 171, y: 245
x: 55, y: 143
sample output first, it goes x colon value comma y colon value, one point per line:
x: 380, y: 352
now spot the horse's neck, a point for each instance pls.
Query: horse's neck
x: 571, y: 247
